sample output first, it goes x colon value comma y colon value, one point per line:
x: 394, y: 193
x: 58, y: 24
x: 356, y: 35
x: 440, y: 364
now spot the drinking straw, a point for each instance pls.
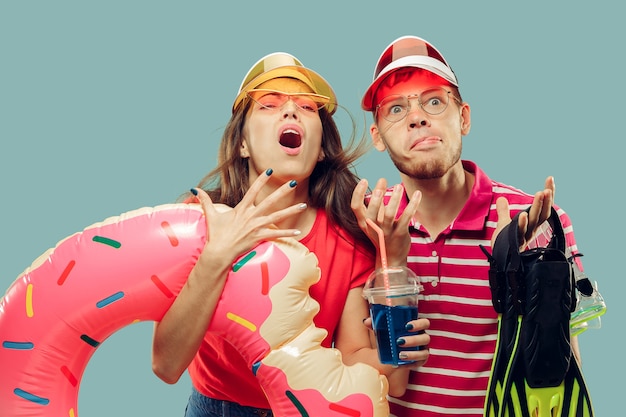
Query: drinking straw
x: 383, y: 250
x: 381, y: 242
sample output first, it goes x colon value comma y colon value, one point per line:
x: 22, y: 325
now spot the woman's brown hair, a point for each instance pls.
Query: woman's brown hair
x: 331, y: 183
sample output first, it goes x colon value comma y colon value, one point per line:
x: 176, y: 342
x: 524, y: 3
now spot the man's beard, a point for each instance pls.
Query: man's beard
x: 427, y: 170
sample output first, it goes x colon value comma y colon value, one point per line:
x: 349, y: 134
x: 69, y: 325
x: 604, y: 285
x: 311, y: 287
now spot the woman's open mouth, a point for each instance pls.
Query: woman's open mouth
x: 291, y: 140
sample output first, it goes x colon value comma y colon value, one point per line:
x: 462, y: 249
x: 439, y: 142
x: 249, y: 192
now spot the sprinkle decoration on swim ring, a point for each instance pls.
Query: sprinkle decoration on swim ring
x: 130, y: 268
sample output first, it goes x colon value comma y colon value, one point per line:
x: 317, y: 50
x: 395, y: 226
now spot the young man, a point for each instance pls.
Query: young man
x: 451, y: 207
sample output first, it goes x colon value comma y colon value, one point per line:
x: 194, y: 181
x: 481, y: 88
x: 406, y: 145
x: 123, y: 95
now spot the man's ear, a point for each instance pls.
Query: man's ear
x: 466, y: 119
x: 377, y: 139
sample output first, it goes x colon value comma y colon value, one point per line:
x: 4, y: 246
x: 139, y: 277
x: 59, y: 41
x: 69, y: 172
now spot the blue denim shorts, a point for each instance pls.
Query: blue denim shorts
x: 203, y: 406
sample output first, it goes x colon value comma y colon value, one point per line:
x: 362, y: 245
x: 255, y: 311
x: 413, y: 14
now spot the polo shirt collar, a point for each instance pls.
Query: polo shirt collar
x: 476, y: 209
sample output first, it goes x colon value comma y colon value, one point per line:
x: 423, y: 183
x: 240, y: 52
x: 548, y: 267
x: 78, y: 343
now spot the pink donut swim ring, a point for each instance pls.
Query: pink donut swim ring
x: 130, y: 268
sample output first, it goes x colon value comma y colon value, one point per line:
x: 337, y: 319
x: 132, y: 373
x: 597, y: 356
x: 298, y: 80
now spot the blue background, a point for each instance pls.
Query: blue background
x: 106, y: 107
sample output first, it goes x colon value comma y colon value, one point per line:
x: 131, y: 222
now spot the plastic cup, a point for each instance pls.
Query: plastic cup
x: 392, y: 294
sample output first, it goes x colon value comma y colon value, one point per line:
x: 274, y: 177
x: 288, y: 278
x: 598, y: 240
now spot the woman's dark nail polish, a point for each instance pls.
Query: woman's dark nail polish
x: 293, y: 183
x: 409, y: 326
x: 269, y: 171
x: 194, y: 191
x: 400, y: 341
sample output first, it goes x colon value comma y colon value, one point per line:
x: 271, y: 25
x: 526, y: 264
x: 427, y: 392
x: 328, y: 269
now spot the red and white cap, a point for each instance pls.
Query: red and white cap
x: 407, y: 51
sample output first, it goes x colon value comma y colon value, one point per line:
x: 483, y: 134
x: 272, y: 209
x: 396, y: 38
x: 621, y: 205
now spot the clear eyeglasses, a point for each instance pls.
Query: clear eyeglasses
x: 274, y: 100
x: 395, y: 107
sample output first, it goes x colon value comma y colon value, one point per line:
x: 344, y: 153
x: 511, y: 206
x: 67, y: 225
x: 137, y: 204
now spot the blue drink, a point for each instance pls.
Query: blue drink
x: 392, y: 294
x: 389, y: 323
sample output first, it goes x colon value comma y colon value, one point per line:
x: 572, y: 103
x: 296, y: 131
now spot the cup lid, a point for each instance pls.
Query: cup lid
x: 393, y: 281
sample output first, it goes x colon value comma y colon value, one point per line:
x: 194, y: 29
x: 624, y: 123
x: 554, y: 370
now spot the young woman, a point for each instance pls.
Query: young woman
x: 283, y: 169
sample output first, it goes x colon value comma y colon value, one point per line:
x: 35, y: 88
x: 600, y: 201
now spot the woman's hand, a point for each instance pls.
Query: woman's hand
x: 232, y: 232
x: 419, y: 338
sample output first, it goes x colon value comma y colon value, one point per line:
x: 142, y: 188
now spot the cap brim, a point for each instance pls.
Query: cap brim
x: 414, y: 61
x: 313, y: 80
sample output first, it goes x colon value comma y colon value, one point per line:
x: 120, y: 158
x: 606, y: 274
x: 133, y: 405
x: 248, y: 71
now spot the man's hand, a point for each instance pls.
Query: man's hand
x: 528, y: 222
x: 396, y: 230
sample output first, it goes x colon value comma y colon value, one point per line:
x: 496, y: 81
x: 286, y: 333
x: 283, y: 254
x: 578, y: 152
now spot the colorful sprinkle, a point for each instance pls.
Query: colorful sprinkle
x: 240, y: 320
x: 71, y: 413
x: 170, y: 233
x: 110, y: 299
x: 243, y: 261
x: 265, y: 279
x: 105, y: 240
x: 18, y: 345
x: 30, y: 397
x: 89, y: 340
x: 29, y: 301
x: 344, y: 410
x: 161, y: 286
x: 69, y: 375
x: 66, y: 272
x: 255, y: 367
x: 297, y: 404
